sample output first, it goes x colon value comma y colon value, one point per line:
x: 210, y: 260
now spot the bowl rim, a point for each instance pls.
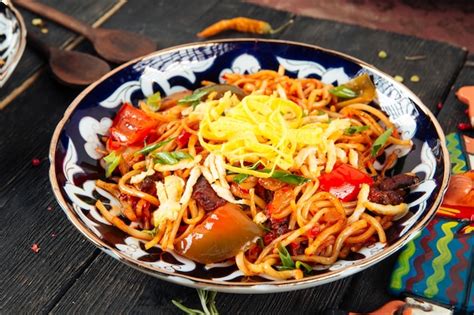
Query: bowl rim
x: 257, y: 287
x: 21, y: 48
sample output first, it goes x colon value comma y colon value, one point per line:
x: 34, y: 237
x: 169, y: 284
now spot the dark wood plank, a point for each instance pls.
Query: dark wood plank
x: 108, y: 286
x: 87, y: 10
x: 35, y: 282
x: 436, y: 71
x: 56, y: 273
x: 452, y: 112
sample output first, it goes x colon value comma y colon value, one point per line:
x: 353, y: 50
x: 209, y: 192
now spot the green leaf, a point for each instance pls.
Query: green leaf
x: 111, y: 162
x: 152, y: 147
x: 380, y: 141
x: 195, y: 98
x: 343, y: 91
x: 285, y: 257
x: 181, y: 155
x: 154, y: 101
x: 165, y: 158
x: 355, y: 129
x: 303, y: 266
x: 289, y: 178
x: 240, y: 178
x: 171, y: 158
x: 260, y: 242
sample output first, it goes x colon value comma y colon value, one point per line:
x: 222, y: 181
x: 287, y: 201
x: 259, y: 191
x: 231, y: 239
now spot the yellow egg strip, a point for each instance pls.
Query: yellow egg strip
x: 262, y: 128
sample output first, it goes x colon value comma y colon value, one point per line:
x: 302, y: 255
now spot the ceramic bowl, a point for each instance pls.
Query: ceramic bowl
x: 12, y: 39
x: 75, y: 162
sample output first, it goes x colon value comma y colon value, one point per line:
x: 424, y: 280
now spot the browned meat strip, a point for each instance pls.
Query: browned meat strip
x: 205, y: 196
x: 400, y: 181
x: 392, y: 190
x: 388, y: 197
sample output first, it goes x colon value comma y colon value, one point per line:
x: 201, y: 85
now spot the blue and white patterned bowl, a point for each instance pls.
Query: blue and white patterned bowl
x: 75, y: 162
x: 12, y: 39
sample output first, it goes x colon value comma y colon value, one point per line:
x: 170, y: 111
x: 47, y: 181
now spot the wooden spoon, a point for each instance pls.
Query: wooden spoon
x: 113, y: 45
x: 71, y: 67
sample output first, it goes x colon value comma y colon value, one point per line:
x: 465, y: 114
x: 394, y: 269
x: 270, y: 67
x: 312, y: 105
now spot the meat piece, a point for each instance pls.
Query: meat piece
x: 148, y: 184
x: 386, y: 197
x: 263, y: 193
x: 400, y: 181
x: 392, y: 190
x: 205, y: 196
x: 271, y: 184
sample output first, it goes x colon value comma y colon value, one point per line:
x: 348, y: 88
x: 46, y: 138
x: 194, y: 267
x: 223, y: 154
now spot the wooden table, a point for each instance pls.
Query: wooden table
x: 69, y: 274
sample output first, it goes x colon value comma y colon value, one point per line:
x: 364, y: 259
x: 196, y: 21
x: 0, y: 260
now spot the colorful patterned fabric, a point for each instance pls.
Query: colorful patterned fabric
x: 438, y: 264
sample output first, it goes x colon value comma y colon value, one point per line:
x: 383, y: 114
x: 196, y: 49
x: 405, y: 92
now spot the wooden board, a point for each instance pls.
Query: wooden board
x: 69, y: 274
x: 88, y: 10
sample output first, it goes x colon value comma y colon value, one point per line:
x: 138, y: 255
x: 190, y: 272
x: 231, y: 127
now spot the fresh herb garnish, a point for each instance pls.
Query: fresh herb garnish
x: 194, y: 99
x: 111, y: 162
x: 263, y: 227
x: 240, y: 178
x: 285, y: 258
x: 355, y: 129
x: 288, y: 177
x: 260, y: 242
x: 343, y: 91
x: 152, y: 147
x: 208, y: 303
x: 154, y: 101
x: 303, y: 266
x: 171, y: 157
x: 380, y: 141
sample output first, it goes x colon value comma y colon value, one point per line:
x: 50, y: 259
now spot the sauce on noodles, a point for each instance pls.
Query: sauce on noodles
x: 274, y: 173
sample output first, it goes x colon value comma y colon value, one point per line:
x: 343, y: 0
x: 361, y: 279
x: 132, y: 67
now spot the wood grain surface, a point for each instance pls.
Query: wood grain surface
x: 87, y: 10
x: 69, y: 275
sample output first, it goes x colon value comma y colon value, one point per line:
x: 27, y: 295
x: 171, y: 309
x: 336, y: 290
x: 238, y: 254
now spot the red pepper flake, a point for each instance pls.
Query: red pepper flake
x: 35, y: 162
x: 464, y: 126
x: 35, y: 248
x: 466, y: 112
x: 439, y: 105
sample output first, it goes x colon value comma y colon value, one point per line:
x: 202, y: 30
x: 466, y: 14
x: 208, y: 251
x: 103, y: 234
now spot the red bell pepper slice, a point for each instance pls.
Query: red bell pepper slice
x: 183, y: 138
x: 344, y: 182
x: 131, y: 125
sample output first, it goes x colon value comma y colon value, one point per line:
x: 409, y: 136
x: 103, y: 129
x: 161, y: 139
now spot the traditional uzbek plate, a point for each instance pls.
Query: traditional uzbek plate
x: 75, y: 162
x: 12, y: 39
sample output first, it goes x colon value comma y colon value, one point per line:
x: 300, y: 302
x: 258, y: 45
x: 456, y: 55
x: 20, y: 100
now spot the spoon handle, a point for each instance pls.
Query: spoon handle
x: 38, y: 44
x: 56, y: 16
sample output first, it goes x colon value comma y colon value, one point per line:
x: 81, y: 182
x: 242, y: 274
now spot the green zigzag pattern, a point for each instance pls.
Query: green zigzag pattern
x: 458, y: 163
x: 440, y: 261
x: 403, y: 264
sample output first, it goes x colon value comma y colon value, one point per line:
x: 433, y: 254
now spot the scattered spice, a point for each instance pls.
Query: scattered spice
x: 464, y: 126
x: 241, y: 24
x: 439, y: 105
x: 44, y: 30
x: 415, y: 78
x: 35, y: 248
x: 49, y: 208
x: 398, y: 78
x: 383, y: 54
x: 414, y: 58
x: 466, y: 111
x: 54, y: 234
x: 35, y: 162
x: 37, y: 22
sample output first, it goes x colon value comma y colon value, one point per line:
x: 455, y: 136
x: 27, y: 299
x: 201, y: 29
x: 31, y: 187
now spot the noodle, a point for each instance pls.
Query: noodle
x: 266, y: 152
